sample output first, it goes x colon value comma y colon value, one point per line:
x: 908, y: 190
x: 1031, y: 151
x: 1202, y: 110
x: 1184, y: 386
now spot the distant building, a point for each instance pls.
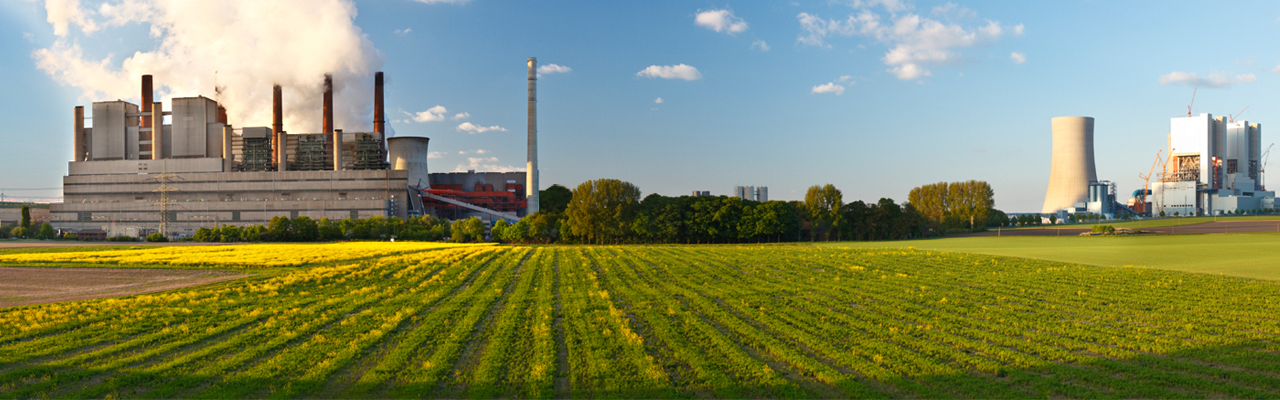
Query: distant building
x: 697, y: 193
x: 752, y: 193
x: 1214, y: 168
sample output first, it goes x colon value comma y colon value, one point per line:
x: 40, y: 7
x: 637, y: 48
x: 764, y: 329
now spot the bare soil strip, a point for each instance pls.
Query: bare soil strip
x: 25, y: 286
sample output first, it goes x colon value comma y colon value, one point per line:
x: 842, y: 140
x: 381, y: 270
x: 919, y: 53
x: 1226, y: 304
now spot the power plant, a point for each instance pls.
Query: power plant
x: 1214, y: 167
x: 140, y: 169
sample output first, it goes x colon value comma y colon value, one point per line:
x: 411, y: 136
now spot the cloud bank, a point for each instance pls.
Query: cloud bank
x: 681, y: 71
x: 1216, y: 79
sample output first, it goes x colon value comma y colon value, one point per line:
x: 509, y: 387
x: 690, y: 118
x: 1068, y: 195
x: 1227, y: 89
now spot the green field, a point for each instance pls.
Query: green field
x: 1248, y: 255
x: 1155, y: 223
x: 652, y: 321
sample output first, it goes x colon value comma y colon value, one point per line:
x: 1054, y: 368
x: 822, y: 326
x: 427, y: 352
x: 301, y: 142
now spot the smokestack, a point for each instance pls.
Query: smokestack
x: 79, y: 136
x: 277, y: 123
x: 337, y: 150
x: 148, y: 95
x: 328, y: 108
x: 227, y: 157
x: 379, y: 119
x: 531, y: 174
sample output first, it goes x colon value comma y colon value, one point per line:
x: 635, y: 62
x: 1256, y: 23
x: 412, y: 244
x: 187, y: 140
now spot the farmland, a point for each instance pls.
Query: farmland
x: 643, y: 321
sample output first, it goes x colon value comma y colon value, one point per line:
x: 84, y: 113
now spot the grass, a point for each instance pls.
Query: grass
x: 1156, y: 223
x: 1251, y: 255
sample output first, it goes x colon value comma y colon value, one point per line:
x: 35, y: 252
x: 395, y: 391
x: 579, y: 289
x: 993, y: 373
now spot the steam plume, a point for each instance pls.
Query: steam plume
x: 250, y: 44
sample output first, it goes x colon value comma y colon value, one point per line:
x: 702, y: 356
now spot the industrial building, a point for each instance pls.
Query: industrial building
x: 140, y: 169
x: 760, y: 194
x: 1215, y: 166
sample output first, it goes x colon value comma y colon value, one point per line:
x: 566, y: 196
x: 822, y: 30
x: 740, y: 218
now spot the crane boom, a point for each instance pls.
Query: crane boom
x: 1146, y: 182
x: 1193, y: 100
x: 1233, y: 118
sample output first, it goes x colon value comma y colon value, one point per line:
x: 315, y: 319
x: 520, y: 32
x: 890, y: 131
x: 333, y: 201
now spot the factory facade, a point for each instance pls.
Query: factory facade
x: 134, y: 174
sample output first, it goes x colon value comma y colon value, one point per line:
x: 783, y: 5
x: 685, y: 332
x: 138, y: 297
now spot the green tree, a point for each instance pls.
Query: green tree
x: 156, y: 237
x: 230, y: 233
x: 46, y: 231
x: 554, y: 200
x: 602, y: 210
x: 497, y: 232
x: 824, y: 204
x: 305, y: 229
x: 474, y: 229
x: 280, y: 229
x: 1053, y: 219
x: 26, y: 217
x: 19, y: 232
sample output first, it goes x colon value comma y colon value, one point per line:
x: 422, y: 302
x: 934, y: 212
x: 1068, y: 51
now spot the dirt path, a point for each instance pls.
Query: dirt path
x: 23, y: 286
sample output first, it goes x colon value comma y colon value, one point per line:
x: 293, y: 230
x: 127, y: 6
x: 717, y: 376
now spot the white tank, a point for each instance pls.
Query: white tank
x: 409, y: 153
x: 1073, y: 166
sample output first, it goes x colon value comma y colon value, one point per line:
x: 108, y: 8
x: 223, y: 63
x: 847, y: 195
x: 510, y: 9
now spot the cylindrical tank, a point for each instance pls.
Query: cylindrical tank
x: 409, y: 153
x: 1073, y: 168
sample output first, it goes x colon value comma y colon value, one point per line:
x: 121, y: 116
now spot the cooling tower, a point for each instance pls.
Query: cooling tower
x: 410, y: 153
x: 1072, y: 168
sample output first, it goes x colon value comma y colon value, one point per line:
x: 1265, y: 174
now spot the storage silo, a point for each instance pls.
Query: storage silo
x: 410, y: 153
x: 1073, y: 166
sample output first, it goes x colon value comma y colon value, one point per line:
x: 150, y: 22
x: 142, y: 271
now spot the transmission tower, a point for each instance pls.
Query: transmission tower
x: 165, y: 202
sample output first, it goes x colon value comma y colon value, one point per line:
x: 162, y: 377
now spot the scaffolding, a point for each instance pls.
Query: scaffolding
x: 312, y: 155
x: 256, y: 155
x: 1185, y: 168
x: 369, y: 153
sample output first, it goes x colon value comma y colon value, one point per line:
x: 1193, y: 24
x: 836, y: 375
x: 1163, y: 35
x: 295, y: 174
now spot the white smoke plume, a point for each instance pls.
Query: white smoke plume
x: 250, y: 44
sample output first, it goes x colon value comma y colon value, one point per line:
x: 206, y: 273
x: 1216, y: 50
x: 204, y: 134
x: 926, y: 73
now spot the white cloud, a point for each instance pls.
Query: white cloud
x: 657, y: 100
x: 431, y: 114
x: 403, y: 32
x: 435, y: 155
x: 681, y: 71
x: 720, y: 21
x: 473, y: 128
x: 461, y: 115
x: 552, y: 69
x: 485, y: 164
x: 481, y: 151
x: 844, y: 78
x: 954, y: 11
x: 30, y: 38
x: 1018, y: 30
x: 892, y: 6
x: 760, y: 45
x: 443, y: 1
x: 63, y: 13
x: 1018, y: 57
x: 829, y: 87
x: 1216, y: 79
x: 190, y: 40
x: 914, y: 42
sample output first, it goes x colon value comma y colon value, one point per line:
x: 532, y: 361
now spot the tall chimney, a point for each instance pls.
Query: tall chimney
x: 531, y: 171
x: 277, y: 124
x: 148, y: 96
x: 328, y: 108
x: 78, y: 139
x: 379, y: 119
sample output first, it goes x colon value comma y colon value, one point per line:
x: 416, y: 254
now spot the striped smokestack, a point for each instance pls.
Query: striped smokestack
x: 531, y: 172
x: 379, y: 118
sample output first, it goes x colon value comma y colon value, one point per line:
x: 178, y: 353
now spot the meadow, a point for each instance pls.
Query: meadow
x: 1246, y: 255
x: 775, y: 321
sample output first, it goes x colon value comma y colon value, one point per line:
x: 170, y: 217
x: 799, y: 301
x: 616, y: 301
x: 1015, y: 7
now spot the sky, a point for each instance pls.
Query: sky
x: 873, y: 96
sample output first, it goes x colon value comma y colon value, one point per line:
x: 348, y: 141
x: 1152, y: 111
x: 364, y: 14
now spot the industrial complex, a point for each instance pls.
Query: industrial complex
x: 1214, y: 166
x: 140, y: 169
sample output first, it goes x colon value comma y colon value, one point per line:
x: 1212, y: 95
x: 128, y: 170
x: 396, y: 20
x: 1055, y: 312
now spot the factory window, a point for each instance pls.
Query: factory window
x: 137, y: 198
x: 1232, y: 166
x: 342, y: 195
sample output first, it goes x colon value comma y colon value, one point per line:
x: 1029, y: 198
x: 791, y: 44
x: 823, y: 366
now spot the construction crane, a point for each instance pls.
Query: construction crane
x: 1146, y: 183
x: 1233, y: 117
x: 1262, y: 168
x: 1193, y: 100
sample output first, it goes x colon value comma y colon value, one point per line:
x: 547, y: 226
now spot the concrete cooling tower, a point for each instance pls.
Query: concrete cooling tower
x: 1072, y: 168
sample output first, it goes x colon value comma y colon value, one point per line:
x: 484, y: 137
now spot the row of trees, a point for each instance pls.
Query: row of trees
x: 611, y: 211
x: 305, y: 229
x: 955, y: 206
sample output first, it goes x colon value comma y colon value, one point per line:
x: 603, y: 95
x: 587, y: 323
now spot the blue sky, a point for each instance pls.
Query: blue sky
x: 786, y: 94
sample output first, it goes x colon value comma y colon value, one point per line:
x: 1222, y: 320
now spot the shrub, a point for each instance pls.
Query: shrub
x: 157, y: 237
